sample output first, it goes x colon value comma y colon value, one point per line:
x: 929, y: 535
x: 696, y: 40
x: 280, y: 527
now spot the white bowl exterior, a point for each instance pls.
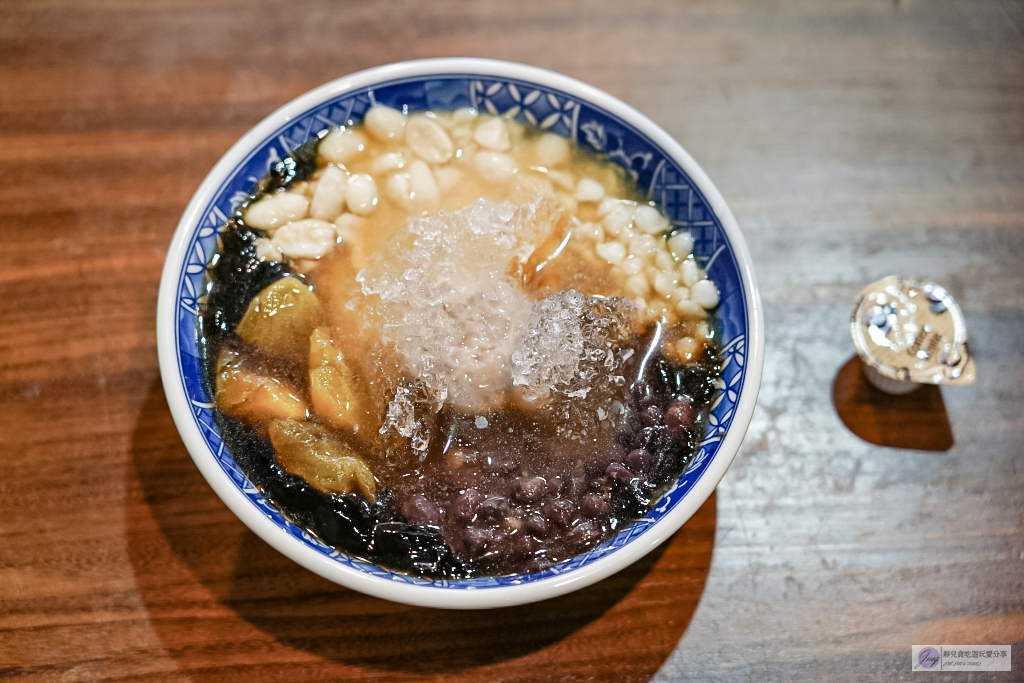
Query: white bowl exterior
x: 429, y: 596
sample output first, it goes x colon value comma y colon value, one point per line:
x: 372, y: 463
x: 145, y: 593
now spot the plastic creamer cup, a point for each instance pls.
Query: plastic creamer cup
x: 910, y: 332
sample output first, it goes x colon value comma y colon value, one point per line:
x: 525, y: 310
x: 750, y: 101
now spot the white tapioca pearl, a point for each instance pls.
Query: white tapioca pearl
x: 493, y: 134
x: 640, y: 303
x: 551, y: 150
x: 589, y: 190
x: 274, y: 210
x: 688, y: 348
x: 704, y: 331
x: 591, y: 231
x: 626, y: 235
x: 341, y: 146
x: 642, y: 245
x: 447, y: 177
x: 631, y: 265
x: 306, y: 239
x: 665, y: 282
x: 361, y: 194
x: 604, y: 207
x: 387, y: 162
x: 649, y: 220
x: 612, y: 252
x: 329, y: 197
x: 705, y: 293
x: 266, y: 251
x: 424, y: 194
x: 385, y: 123
x: 348, y: 225
x: 619, y: 218
x: 637, y: 286
x: 415, y: 189
x: 691, y: 272
x: 398, y: 189
x: 495, y: 167
x: 680, y: 293
x: 428, y: 140
x: 464, y: 115
x: 681, y: 243
x: 611, y: 204
x: 690, y: 309
x: 461, y: 136
x: 663, y: 259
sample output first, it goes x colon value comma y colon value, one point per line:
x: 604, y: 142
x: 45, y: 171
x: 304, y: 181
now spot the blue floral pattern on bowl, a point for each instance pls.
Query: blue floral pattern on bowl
x: 531, y: 104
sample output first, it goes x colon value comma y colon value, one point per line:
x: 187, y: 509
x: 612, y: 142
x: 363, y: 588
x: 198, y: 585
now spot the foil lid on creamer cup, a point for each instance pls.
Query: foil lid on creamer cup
x: 910, y: 332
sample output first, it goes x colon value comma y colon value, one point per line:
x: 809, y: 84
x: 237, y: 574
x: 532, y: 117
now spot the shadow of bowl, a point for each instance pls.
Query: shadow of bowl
x: 224, y: 601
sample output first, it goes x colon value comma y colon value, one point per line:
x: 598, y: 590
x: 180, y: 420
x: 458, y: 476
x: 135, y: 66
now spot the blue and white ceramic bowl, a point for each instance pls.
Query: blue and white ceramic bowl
x: 533, y: 96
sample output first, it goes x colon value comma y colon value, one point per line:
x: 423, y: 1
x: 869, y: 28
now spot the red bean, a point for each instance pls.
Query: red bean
x: 619, y: 473
x: 522, y: 545
x: 560, y: 511
x: 467, y: 503
x: 594, y: 506
x: 476, y: 540
x: 555, y: 486
x: 537, y: 526
x: 638, y: 460
x: 651, y: 416
x: 583, y: 534
x: 528, y: 489
x: 420, y: 510
x: 494, y: 508
x: 679, y: 417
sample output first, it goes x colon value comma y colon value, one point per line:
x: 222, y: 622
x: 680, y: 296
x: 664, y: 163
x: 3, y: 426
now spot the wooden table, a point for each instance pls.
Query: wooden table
x: 853, y: 140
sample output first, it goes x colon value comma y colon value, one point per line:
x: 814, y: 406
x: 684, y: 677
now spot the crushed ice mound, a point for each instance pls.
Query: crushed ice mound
x: 569, y: 342
x: 447, y: 297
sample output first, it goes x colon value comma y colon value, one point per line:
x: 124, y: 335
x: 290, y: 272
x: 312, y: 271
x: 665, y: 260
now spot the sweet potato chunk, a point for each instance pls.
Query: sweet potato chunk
x: 332, y: 385
x: 251, y: 396
x: 280, y: 318
x: 307, y: 450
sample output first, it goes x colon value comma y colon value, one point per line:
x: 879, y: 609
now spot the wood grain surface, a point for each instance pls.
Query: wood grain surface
x: 852, y: 139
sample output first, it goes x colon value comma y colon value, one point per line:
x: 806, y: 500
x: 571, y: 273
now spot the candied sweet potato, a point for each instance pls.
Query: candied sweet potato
x: 332, y: 385
x: 309, y: 451
x: 248, y: 395
x: 280, y: 318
